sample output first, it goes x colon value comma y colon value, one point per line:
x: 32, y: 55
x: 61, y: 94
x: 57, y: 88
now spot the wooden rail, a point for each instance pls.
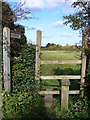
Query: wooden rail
x: 60, y: 77
x: 62, y: 62
x: 55, y: 92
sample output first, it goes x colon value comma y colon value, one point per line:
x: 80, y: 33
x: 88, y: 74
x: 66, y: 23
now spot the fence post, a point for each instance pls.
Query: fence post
x: 48, y: 99
x: 64, y: 94
x: 6, y: 58
x: 1, y: 103
x: 38, y: 52
x: 84, y: 57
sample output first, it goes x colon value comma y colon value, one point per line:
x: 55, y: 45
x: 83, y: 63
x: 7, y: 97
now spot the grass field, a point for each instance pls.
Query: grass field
x: 71, y: 69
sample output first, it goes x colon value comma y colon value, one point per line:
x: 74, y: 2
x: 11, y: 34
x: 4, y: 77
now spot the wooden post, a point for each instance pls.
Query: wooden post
x: 38, y: 52
x: 65, y: 94
x: 6, y: 58
x: 48, y: 99
x: 84, y: 57
x: 1, y: 114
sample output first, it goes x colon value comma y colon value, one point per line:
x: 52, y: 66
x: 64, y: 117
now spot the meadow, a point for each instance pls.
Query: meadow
x: 59, y: 69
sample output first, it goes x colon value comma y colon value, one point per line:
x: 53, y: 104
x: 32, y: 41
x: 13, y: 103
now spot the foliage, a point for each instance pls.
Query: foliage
x: 80, y: 19
x: 17, y: 44
x: 22, y: 106
x: 23, y: 70
x: 8, y: 16
x: 24, y: 102
x: 79, y: 110
x: 60, y: 47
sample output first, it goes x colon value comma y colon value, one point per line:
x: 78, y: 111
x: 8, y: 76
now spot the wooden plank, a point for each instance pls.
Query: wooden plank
x: 13, y: 35
x: 38, y: 52
x: 1, y: 103
x: 84, y: 57
x: 60, y: 77
x: 62, y: 62
x: 72, y: 92
x: 56, y: 92
x: 6, y: 58
x: 49, y: 92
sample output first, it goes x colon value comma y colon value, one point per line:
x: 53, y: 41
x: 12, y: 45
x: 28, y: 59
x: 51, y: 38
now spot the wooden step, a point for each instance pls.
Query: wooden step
x: 62, y: 62
x: 55, y: 92
x: 60, y: 77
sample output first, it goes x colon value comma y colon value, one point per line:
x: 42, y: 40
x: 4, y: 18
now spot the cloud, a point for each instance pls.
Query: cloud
x: 40, y: 4
x: 35, y: 4
x: 57, y: 24
x: 46, y: 36
x: 65, y: 35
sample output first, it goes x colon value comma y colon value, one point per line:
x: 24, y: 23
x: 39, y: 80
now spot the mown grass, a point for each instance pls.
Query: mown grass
x: 53, y: 69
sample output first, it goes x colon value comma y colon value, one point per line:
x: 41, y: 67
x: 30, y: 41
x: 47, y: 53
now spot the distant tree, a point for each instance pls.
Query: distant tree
x: 48, y: 45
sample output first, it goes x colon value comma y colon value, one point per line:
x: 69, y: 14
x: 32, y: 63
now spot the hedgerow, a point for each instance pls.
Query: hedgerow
x: 24, y: 100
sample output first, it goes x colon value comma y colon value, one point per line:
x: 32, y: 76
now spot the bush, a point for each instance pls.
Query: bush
x: 79, y: 110
x: 24, y: 101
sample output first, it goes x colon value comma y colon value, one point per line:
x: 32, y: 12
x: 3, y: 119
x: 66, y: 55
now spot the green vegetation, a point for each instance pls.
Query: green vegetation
x: 60, y: 55
x: 71, y: 69
x: 24, y: 101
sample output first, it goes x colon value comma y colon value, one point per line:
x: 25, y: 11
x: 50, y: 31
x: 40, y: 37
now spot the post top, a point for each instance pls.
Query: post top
x: 65, y: 82
x: 38, y: 30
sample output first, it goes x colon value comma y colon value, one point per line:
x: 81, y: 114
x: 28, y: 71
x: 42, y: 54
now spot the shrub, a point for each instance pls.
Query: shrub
x: 24, y: 101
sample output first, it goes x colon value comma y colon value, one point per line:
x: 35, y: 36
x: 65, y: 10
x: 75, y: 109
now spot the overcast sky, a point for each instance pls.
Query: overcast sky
x: 49, y: 14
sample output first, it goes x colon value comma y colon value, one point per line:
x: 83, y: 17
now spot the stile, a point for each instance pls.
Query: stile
x: 38, y: 52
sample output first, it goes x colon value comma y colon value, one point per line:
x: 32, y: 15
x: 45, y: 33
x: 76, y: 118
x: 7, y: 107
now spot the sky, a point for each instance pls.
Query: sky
x: 49, y: 19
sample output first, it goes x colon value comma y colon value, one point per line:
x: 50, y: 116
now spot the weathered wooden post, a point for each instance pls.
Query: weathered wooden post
x: 64, y: 94
x: 84, y: 57
x: 6, y: 58
x: 38, y: 52
x: 1, y: 114
x: 48, y: 99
